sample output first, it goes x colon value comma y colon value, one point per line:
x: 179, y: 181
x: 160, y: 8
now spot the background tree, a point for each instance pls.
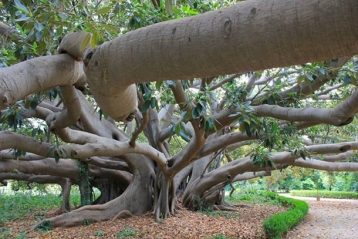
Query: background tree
x: 176, y: 110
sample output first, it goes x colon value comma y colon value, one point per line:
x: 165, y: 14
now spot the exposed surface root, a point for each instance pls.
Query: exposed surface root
x: 136, y: 199
x: 123, y: 214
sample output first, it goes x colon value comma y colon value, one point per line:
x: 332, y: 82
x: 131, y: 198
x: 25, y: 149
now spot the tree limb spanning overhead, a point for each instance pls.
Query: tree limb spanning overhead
x: 216, y: 107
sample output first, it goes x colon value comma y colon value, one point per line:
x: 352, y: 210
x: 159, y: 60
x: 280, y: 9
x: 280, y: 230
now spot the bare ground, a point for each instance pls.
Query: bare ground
x: 328, y: 219
x: 246, y: 223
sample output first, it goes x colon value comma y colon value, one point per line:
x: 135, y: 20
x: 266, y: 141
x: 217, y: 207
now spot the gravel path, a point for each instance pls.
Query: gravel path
x: 328, y: 219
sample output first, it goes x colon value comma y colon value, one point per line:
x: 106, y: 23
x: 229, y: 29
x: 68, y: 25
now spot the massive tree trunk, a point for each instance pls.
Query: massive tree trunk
x: 135, y: 200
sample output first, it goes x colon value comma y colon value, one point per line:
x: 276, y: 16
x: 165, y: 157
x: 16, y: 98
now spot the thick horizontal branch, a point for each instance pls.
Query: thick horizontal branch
x: 338, y: 116
x: 10, y: 140
x: 111, y: 148
x: 10, y: 154
x: 326, y: 166
x: 63, y: 168
x: 237, y: 39
x: 35, y: 75
x: 33, y: 178
x: 332, y: 148
x: 104, y: 147
x: 338, y: 157
x: 223, y: 141
x: 277, y: 160
x: 250, y: 175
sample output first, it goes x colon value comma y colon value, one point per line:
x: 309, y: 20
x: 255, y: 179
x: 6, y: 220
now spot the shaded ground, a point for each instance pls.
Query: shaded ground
x: 328, y: 219
x: 246, y: 223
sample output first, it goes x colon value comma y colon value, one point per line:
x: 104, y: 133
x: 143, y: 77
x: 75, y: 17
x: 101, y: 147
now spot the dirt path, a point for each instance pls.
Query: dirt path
x: 328, y: 219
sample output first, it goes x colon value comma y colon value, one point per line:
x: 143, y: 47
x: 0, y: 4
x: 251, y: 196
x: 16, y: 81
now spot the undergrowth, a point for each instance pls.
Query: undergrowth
x: 128, y: 232
x: 255, y: 197
x: 216, y: 213
x: 17, y: 206
x: 20, y: 205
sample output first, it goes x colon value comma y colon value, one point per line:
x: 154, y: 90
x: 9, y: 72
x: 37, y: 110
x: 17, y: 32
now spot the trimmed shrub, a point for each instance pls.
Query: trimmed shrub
x: 278, y: 224
x: 325, y: 194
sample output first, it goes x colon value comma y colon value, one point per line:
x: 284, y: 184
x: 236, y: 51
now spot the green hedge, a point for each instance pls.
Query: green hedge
x: 325, y: 194
x: 278, y: 224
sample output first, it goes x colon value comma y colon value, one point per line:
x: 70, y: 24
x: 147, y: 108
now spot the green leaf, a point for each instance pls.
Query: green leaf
x: 209, y: 124
x: 158, y: 84
x: 247, y: 129
x: 153, y: 103
x: 197, y: 111
x: 146, y: 106
x: 23, y: 18
x: 104, y: 10
x: 21, y: 7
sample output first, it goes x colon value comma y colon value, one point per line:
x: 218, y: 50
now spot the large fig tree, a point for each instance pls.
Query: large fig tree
x: 176, y: 110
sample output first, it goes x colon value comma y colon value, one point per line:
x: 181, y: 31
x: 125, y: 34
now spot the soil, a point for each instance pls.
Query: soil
x: 328, y: 219
x: 245, y: 223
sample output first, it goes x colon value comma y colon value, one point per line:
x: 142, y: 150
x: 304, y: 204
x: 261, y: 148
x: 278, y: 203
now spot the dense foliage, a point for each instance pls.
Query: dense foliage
x: 305, y: 179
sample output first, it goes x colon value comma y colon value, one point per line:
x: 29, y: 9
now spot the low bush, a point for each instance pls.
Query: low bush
x: 255, y: 196
x: 99, y: 233
x: 325, y: 194
x: 128, y: 232
x: 278, y: 224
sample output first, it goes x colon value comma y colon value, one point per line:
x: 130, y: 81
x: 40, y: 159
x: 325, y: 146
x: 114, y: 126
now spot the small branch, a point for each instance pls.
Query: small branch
x: 184, y: 157
x: 139, y: 129
x: 329, y: 89
x: 219, y: 84
x: 338, y: 116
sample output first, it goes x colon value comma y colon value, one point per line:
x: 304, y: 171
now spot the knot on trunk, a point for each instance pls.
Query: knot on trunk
x: 75, y: 44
